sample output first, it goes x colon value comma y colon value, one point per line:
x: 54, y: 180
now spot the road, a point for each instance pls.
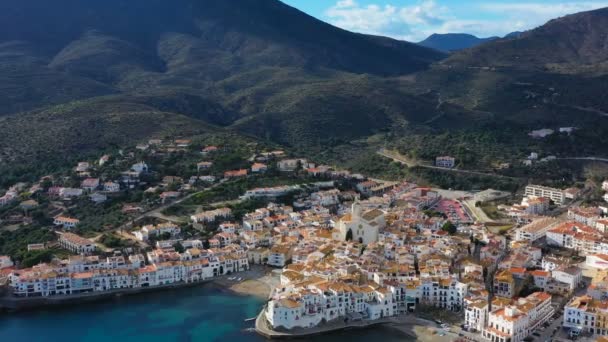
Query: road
x: 157, y: 213
x: 547, y: 334
x: 599, y: 159
x: 409, y: 163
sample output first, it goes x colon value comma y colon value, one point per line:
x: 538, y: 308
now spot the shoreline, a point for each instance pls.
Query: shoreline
x: 409, y: 325
x: 250, y: 286
x: 10, y: 304
x: 259, y: 281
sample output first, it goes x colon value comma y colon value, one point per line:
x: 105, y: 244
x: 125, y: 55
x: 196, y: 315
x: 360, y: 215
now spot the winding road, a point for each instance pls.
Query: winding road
x: 395, y: 156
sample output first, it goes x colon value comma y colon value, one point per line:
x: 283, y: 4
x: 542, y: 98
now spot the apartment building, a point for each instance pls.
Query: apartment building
x: 76, y: 244
x: 588, y: 315
x: 556, y: 195
x: 516, y: 321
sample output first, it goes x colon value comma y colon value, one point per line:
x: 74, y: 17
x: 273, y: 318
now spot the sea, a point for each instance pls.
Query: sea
x: 200, y: 314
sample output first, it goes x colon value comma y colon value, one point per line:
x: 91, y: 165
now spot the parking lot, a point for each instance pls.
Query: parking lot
x: 453, y: 210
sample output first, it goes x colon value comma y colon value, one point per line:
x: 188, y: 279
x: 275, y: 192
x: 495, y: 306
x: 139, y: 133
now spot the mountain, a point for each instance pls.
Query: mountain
x: 551, y: 76
x: 577, y: 39
x: 77, y: 76
x: 453, y: 41
x: 514, y: 34
x: 256, y: 66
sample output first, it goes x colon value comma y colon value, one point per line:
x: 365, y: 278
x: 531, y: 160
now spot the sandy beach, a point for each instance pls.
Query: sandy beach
x: 258, y: 282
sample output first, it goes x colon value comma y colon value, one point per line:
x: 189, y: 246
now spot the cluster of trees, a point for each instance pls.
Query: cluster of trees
x: 112, y: 241
x: 449, y: 227
x: 32, y: 258
x: 15, y: 243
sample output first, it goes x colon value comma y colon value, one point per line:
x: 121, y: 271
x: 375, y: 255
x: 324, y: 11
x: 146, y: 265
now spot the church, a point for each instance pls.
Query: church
x: 358, y: 226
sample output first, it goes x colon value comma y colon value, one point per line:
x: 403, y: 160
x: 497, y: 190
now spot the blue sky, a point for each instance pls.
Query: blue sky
x: 414, y: 20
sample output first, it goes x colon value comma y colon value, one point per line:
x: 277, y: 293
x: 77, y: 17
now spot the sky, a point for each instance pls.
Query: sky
x: 414, y: 20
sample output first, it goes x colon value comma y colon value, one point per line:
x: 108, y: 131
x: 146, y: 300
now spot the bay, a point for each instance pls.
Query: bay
x: 199, y: 314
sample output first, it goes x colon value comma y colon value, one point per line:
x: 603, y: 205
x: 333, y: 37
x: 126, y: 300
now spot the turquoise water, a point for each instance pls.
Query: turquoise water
x: 193, y: 314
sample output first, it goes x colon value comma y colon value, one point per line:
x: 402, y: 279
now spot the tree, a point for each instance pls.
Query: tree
x: 449, y: 227
x: 32, y: 258
x: 179, y: 247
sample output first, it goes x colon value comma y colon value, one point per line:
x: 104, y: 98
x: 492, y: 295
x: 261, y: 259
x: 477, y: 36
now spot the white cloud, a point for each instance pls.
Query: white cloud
x: 543, y: 9
x: 416, y: 22
x: 385, y: 19
x: 531, y: 15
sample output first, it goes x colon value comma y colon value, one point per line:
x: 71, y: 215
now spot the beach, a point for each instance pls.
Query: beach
x: 258, y: 282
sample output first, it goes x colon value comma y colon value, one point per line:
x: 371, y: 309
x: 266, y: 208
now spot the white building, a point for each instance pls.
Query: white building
x: 359, y: 227
x: 445, y: 161
x: 476, y: 314
x: 82, y: 274
x: 326, y: 198
x: 556, y: 195
x: 111, y: 187
x: 587, y: 216
x: 536, y: 229
x: 66, y: 222
x: 541, y: 133
x: 76, y: 244
x: 292, y: 164
x: 280, y: 255
x: 5, y: 262
x: 211, y: 215
x: 140, y: 168
x: 307, y: 308
x: 515, y: 322
x: 579, y: 237
x: 588, y: 315
x: 445, y: 293
x: 569, y: 275
x: 273, y: 192
x: 68, y: 193
x: 148, y: 231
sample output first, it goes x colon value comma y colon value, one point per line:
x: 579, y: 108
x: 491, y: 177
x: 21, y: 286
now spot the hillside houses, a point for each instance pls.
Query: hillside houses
x: 153, y: 231
x: 211, y: 215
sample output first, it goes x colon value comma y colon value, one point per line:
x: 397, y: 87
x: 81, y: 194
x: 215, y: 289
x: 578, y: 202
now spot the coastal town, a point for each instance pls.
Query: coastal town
x: 347, y: 250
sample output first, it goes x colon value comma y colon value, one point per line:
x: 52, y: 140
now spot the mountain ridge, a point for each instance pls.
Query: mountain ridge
x: 449, y: 42
x: 262, y: 68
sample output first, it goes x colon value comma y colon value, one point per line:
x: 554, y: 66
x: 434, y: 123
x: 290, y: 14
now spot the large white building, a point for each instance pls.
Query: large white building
x: 515, y: 322
x: 569, y: 275
x: 536, y: 229
x: 280, y: 255
x: 445, y: 293
x: 588, y: 315
x: 358, y: 226
x: 574, y: 235
x: 556, y: 195
x: 76, y: 244
x: 476, y: 314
